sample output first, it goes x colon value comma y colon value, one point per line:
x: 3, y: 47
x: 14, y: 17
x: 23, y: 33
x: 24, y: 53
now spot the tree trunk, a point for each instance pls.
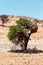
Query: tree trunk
x: 25, y: 46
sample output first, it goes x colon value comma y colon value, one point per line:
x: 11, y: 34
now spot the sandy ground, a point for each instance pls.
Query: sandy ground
x: 10, y: 58
x: 20, y: 58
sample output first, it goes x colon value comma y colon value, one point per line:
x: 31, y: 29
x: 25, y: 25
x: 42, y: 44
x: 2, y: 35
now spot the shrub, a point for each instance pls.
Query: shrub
x: 20, y: 32
x: 4, y: 19
x: 19, y: 27
x: 13, y: 30
x: 23, y: 22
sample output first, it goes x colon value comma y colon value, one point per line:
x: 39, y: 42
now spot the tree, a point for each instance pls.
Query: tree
x: 22, y: 32
x: 4, y: 19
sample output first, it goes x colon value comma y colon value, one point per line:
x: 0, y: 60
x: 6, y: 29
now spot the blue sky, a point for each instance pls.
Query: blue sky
x: 29, y: 8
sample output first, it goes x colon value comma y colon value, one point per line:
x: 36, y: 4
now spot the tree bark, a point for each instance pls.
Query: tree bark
x: 25, y: 47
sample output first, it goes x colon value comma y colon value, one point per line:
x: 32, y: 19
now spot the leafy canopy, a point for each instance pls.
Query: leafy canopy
x: 23, y: 22
x: 21, y: 26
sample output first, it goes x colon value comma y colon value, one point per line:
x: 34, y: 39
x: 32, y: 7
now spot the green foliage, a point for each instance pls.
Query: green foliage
x: 19, y: 27
x: 13, y: 30
x: 18, y: 33
x: 23, y: 22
